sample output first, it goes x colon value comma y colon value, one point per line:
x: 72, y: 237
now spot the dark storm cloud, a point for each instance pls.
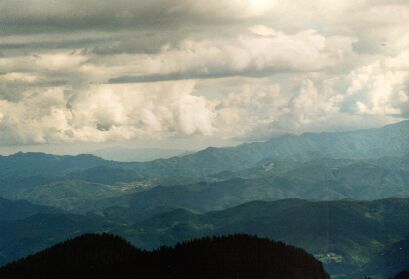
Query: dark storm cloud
x: 20, y: 16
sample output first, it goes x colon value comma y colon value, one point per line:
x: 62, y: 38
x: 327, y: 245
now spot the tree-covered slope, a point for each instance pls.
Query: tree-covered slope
x: 325, y: 179
x: 28, y: 170
x: 25, y: 236
x: 69, y: 194
x: 402, y: 275
x: 345, y: 235
x: 391, y: 261
x: 322, y: 179
x: 107, y: 256
x: 20, y: 209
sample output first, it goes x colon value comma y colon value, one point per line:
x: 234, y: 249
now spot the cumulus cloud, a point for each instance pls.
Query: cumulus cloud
x: 260, y: 51
x: 92, y: 71
x: 379, y: 88
x: 106, y: 112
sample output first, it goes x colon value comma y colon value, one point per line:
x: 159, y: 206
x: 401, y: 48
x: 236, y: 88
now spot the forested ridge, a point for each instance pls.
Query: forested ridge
x: 109, y: 256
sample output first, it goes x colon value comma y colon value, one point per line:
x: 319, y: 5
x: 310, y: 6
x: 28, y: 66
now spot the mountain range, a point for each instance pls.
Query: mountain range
x: 341, y: 196
x: 122, y: 154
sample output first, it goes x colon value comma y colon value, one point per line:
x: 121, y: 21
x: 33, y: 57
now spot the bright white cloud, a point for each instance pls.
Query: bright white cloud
x: 380, y: 88
x: 107, y: 112
x: 184, y: 68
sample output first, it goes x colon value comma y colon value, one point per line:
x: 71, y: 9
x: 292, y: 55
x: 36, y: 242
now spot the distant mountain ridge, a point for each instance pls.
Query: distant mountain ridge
x: 391, y: 140
x: 314, y: 166
x: 123, y: 154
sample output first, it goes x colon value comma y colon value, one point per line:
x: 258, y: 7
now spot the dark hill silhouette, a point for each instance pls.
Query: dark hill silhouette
x: 109, y: 256
x: 402, y: 275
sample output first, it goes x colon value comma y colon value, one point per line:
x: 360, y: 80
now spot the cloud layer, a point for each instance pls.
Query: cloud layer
x: 92, y: 71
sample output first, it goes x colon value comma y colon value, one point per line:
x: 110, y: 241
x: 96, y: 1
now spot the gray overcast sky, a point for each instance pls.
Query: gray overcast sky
x: 76, y: 75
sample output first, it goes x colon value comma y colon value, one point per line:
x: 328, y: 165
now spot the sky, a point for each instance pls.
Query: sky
x: 81, y: 75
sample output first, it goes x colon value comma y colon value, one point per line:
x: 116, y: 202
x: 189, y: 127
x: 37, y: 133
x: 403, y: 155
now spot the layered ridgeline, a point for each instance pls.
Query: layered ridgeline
x: 347, y: 236
x: 108, y: 256
x: 323, y: 179
x: 392, y: 140
x: 268, y: 180
x: 126, y: 198
x: 123, y: 154
x: 313, y: 166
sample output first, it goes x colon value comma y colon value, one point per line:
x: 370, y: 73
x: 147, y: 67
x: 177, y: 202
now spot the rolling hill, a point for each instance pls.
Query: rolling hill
x: 20, y: 209
x: 347, y: 236
x: 315, y: 166
x: 322, y: 179
x: 23, y: 236
x: 391, y: 261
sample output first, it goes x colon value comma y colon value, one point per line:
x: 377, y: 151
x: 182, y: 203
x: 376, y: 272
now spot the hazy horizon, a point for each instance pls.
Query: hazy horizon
x: 94, y: 148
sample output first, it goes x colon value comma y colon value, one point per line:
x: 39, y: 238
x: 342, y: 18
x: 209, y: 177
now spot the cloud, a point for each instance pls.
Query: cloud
x: 96, y: 71
x: 106, y: 112
x: 380, y: 88
x: 66, y: 15
x: 246, y: 108
x: 261, y: 51
x: 250, y: 53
